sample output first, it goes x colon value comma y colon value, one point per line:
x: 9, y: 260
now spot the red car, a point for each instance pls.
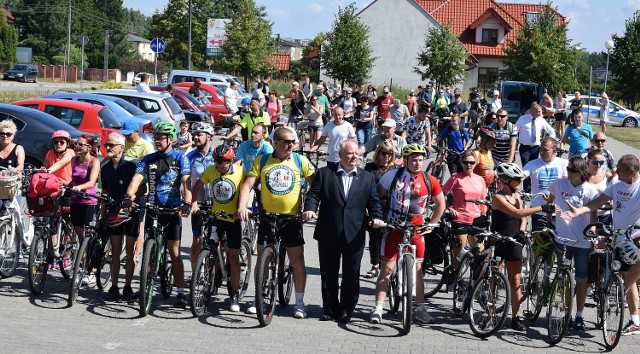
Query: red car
x: 215, y: 97
x: 186, y: 101
x: 86, y: 117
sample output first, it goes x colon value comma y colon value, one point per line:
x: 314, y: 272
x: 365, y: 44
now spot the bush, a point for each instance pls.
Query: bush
x: 109, y: 85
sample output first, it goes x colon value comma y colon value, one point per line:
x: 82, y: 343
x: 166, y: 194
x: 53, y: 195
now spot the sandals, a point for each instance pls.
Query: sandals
x: 372, y: 273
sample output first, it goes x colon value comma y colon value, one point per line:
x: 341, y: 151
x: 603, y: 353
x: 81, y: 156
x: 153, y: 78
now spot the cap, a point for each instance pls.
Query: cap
x: 129, y: 126
x: 428, y: 84
x: 282, y: 120
x: 496, y: 93
x: 386, y: 90
x: 295, y: 83
x: 389, y: 123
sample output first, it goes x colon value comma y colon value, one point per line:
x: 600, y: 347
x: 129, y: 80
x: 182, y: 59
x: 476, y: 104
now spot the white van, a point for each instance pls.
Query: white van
x: 189, y: 76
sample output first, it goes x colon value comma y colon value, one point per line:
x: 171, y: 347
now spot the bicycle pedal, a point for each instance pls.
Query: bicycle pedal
x: 590, y: 305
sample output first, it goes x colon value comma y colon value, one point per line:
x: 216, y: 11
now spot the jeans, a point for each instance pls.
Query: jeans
x: 364, y: 134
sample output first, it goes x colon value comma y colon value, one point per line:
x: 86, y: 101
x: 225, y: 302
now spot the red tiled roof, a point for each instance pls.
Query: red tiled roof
x: 460, y: 15
x: 282, y: 61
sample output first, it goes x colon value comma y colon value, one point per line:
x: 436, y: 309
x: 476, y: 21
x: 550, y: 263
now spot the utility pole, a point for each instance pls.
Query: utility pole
x: 68, y: 51
x: 105, y: 76
x: 189, y: 39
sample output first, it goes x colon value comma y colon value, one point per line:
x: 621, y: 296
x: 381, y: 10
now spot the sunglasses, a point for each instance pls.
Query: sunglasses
x: 386, y: 154
x: 59, y: 142
x: 502, y: 115
x: 110, y: 145
x: 7, y: 134
x: 286, y: 142
x: 468, y: 162
x: 597, y: 162
x: 82, y: 144
x: 571, y: 169
x: 599, y: 140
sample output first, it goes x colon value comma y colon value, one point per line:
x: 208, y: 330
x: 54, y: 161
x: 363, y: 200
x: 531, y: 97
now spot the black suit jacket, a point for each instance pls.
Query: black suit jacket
x: 337, y: 213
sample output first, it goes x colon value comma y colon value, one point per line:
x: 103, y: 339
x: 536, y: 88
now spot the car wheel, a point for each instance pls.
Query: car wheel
x: 35, y: 80
x: 630, y: 122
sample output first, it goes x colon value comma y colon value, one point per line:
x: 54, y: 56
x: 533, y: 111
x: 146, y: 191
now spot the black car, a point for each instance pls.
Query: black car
x: 22, y: 72
x: 34, y: 131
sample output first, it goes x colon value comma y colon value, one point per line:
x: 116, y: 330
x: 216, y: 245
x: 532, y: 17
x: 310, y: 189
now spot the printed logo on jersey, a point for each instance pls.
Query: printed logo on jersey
x: 223, y: 190
x: 280, y: 180
x: 546, y: 176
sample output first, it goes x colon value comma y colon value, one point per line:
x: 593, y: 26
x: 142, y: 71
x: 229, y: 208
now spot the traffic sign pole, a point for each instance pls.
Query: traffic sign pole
x: 83, y: 40
x: 157, y: 46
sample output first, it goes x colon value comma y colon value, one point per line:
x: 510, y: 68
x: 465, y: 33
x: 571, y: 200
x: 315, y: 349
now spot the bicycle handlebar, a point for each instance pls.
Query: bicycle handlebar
x: 607, y: 232
x: 478, y: 201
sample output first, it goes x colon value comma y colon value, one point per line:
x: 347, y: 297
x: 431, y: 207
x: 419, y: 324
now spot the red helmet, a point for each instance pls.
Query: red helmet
x: 61, y: 134
x: 487, y: 133
x: 224, y: 152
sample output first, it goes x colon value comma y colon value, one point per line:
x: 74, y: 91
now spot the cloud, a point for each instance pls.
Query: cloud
x: 633, y: 4
x: 315, y: 7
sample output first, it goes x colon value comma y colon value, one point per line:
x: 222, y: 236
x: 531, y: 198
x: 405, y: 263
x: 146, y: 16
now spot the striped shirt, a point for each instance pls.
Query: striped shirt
x: 504, y: 135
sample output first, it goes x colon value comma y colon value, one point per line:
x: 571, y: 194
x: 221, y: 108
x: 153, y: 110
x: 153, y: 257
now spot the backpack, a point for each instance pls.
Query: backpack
x: 296, y: 158
x: 43, y: 189
x: 394, y: 181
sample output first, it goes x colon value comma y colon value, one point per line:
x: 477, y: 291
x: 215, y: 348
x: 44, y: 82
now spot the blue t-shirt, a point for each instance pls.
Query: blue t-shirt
x: 164, y: 173
x: 579, y: 142
x: 247, y: 153
x: 455, y: 140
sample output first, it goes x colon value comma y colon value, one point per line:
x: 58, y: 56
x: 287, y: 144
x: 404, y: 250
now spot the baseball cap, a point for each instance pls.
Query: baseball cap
x: 386, y: 90
x: 129, y: 126
x: 389, y: 123
x: 282, y: 120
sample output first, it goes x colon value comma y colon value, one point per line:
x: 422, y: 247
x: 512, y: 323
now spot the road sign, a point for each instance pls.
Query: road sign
x: 83, y: 40
x: 209, y: 62
x: 157, y: 45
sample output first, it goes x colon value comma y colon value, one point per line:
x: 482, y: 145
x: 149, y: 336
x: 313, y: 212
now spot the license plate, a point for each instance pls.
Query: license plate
x: 11, y: 76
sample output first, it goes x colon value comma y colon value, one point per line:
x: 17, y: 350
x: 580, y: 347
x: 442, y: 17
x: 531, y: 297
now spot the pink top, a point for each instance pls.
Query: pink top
x: 63, y: 174
x: 80, y: 175
x: 272, y: 109
x: 465, y: 187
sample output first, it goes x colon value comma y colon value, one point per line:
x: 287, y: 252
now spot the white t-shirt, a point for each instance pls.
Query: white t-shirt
x: 626, y: 199
x: 543, y: 174
x: 348, y: 104
x: 336, y: 135
x: 578, y: 196
x: 232, y: 99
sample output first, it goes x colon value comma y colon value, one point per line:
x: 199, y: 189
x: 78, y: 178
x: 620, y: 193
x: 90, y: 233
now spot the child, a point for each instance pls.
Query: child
x: 185, y: 140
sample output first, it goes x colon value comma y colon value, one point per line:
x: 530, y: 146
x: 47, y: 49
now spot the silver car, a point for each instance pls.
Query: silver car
x: 160, y: 104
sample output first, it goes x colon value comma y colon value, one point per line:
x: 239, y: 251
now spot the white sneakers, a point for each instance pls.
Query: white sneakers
x: 376, y: 316
x: 300, y: 311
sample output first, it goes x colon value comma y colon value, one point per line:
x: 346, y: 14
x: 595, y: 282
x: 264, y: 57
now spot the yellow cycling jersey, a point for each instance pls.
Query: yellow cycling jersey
x: 280, y: 181
x: 225, y: 189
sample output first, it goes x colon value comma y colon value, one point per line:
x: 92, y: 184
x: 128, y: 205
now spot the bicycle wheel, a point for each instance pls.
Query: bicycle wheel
x: 103, y: 263
x: 527, y: 266
x: 80, y: 269
x: 612, y: 304
x: 433, y: 272
x: 38, y: 265
x: 167, y: 281
x: 394, y: 293
x: 147, y: 275
x: 69, y: 243
x: 461, y: 286
x: 408, y: 277
x: 200, y: 290
x: 537, y: 282
x: 9, y: 248
x: 266, y: 278
x: 560, y: 305
x: 285, y: 279
x: 246, y: 265
x: 490, y: 301
x: 250, y: 232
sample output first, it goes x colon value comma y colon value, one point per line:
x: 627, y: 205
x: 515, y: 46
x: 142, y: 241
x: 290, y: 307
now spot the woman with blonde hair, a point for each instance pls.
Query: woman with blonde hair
x: 560, y: 104
x: 604, y: 111
x: 11, y: 154
x: 547, y: 107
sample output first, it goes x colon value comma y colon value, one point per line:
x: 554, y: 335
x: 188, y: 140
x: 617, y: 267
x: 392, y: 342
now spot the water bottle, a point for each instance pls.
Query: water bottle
x: 213, y: 235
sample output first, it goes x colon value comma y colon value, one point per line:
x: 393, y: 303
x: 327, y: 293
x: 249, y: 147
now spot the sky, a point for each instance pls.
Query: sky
x: 591, y: 22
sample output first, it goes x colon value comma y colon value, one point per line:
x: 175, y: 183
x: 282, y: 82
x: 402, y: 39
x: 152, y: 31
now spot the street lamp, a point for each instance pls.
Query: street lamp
x: 609, y: 45
x: 575, y: 68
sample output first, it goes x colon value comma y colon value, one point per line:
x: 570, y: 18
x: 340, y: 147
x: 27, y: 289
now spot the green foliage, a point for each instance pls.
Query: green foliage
x: 249, y: 44
x: 142, y: 66
x: 42, y: 27
x: 75, y: 56
x: 109, y: 85
x: 442, y: 57
x: 8, y: 41
x: 346, y: 54
x: 542, y: 53
x: 312, y: 66
x: 625, y: 62
x: 57, y: 60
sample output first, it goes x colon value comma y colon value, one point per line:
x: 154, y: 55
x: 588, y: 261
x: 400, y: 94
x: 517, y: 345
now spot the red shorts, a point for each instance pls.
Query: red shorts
x: 390, y: 242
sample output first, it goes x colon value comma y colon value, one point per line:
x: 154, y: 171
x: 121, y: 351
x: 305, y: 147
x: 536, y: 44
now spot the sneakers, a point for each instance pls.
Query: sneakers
x: 630, y: 329
x: 299, y: 311
x: 376, y: 316
x: 578, y: 324
x: 113, y: 294
x: 128, y: 294
x: 516, y: 324
x: 234, y: 307
x: 89, y: 280
x: 181, y: 300
x: 252, y: 309
x: 421, y: 315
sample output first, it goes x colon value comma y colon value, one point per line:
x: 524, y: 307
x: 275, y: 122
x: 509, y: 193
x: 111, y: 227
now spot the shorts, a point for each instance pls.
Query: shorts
x: 580, y: 263
x: 390, y: 242
x: 232, y: 231
x: 314, y: 128
x: 131, y: 228
x: 82, y: 214
x: 560, y: 116
x: 291, y: 233
x: 171, y: 225
x: 510, y: 251
x: 459, y: 228
x: 197, y: 224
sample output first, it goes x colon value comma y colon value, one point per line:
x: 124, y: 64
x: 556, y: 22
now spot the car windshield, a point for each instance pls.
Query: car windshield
x: 241, y: 90
x: 129, y: 107
x: 19, y: 67
x: 192, y: 99
x: 173, y: 105
x: 108, y: 119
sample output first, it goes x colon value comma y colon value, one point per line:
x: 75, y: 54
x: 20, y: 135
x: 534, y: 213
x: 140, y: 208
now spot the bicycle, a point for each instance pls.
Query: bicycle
x: 16, y: 231
x: 315, y: 161
x: 156, y: 260
x: 437, y: 266
x: 608, y: 289
x: 232, y: 142
x: 437, y: 167
x: 273, y: 270
x: 211, y: 268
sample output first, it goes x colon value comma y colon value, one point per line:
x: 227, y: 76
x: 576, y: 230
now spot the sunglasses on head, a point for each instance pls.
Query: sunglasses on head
x: 7, y: 134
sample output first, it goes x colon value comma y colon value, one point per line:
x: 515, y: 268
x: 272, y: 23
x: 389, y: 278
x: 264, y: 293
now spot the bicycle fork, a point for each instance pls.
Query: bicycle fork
x: 399, y: 262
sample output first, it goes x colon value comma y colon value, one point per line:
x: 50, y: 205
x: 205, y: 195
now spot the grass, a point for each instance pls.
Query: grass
x: 629, y: 136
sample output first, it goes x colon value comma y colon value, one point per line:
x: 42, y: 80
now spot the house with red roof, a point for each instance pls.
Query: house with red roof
x: 398, y: 29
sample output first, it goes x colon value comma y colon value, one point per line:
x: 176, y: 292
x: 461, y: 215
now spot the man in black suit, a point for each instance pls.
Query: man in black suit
x: 345, y: 194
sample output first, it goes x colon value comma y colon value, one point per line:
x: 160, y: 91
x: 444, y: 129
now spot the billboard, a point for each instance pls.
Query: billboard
x: 216, y: 35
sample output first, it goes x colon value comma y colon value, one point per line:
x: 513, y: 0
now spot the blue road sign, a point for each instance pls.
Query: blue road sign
x: 157, y: 45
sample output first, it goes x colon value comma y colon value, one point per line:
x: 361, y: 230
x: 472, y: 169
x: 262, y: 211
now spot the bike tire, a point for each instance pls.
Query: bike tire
x: 9, y: 248
x: 250, y: 232
x: 285, y: 279
x: 408, y: 278
x: 394, y: 293
x: 147, y: 275
x: 200, y: 289
x: 266, y: 279
x: 68, y: 250
x: 246, y: 266
x: 535, y: 299
x: 103, y: 264
x: 80, y: 269
x: 525, y: 274
x: 434, y: 275
x: 560, y: 305
x: 38, y: 263
x: 612, y: 303
x: 461, y: 286
x: 490, y: 304
x: 167, y: 281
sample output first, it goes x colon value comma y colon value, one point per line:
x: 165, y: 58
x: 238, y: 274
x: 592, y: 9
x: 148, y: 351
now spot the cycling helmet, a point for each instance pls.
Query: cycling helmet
x: 629, y: 252
x: 202, y: 127
x: 246, y: 100
x: 61, y: 134
x: 487, y: 133
x: 114, y: 220
x: 224, y: 152
x: 510, y: 170
x: 414, y: 148
x: 166, y: 128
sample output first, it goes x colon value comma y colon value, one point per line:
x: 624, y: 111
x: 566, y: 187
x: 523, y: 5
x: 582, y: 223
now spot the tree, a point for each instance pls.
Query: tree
x: 8, y: 41
x: 249, y: 44
x: 625, y: 62
x: 442, y: 58
x: 542, y: 53
x: 311, y: 66
x: 346, y: 54
x: 41, y: 27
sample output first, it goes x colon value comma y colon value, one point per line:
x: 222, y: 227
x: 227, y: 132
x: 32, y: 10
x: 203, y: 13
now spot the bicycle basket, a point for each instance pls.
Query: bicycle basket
x: 10, y: 186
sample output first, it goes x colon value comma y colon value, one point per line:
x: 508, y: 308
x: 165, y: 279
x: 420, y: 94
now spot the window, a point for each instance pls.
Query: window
x: 490, y: 35
x: 531, y: 17
x: 487, y: 77
x: 108, y: 119
x: 68, y: 115
x: 19, y: 124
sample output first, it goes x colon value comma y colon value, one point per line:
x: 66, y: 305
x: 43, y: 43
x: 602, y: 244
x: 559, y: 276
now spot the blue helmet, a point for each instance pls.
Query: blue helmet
x: 246, y: 100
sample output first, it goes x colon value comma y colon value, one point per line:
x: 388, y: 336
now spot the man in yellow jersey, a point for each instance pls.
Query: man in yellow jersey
x: 135, y: 147
x: 256, y: 115
x: 225, y: 179
x: 280, y: 174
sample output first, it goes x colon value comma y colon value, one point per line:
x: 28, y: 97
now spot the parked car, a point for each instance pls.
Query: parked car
x: 22, y: 72
x: 176, y: 76
x: 618, y: 114
x: 187, y: 102
x: 138, y: 77
x: 161, y: 105
x: 34, y: 131
x: 86, y: 117
x: 212, y: 93
x: 123, y: 110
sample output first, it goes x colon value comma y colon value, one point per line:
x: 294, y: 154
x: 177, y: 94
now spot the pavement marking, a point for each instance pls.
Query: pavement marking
x: 111, y: 345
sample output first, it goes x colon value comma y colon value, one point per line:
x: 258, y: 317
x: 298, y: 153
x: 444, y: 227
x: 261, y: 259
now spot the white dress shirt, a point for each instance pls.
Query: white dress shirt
x: 530, y: 132
x: 347, y: 179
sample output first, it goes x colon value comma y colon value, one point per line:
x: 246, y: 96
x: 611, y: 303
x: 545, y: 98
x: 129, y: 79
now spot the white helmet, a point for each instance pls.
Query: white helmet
x: 629, y: 252
x: 510, y: 170
x: 202, y: 127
